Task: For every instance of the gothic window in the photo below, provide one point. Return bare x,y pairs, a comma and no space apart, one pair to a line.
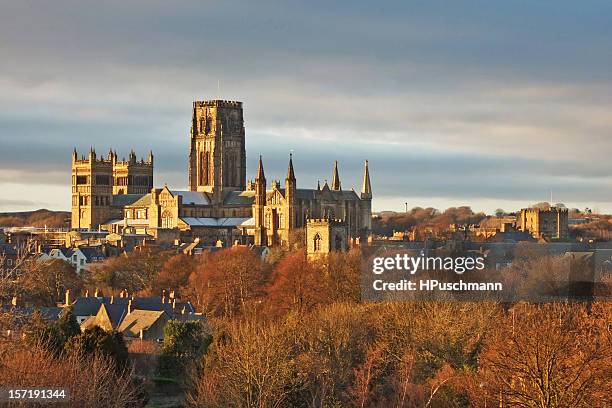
166,219
317,243
281,221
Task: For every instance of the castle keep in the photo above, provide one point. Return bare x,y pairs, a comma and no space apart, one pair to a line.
220,204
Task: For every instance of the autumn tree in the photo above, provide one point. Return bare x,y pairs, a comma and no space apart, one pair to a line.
230,280
175,272
552,355
90,380
134,271
45,283
297,284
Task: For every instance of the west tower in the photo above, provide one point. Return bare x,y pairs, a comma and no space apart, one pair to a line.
217,156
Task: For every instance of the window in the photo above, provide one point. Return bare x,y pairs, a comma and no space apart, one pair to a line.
103,180
166,219
317,243
82,262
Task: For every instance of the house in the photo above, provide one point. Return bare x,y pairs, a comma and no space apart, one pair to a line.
8,258
84,256
144,324
109,311
64,254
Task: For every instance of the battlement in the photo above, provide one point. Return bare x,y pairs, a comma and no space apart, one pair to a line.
542,211
217,103
112,159
325,221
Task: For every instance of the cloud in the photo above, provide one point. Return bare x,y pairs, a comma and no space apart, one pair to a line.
457,101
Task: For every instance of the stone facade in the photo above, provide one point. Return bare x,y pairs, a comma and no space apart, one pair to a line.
326,235
220,205
544,224
97,181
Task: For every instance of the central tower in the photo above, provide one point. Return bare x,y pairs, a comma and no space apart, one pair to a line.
217,157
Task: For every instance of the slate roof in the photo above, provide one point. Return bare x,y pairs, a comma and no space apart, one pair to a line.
192,197
242,198
140,320
122,200
8,249
92,253
144,201
89,306
214,222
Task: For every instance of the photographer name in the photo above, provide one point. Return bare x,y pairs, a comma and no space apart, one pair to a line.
435,285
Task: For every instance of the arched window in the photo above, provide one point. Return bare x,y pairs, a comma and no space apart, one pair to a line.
317,243
166,219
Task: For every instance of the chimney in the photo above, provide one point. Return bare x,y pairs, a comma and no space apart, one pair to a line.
68,297
172,294
163,296
173,304
15,301
130,307
86,292
112,299
97,293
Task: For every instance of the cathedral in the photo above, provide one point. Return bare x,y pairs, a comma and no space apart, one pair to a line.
221,206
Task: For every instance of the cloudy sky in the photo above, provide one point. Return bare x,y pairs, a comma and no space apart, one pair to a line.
483,103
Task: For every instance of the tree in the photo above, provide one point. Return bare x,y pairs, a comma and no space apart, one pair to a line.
96,340
230,280
53,336
500,212
184,344
91,380
551,355
45,283
296,284
134,271
175,272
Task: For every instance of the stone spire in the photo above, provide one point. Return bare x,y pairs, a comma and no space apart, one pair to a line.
336,179
366,188
290,172
260,172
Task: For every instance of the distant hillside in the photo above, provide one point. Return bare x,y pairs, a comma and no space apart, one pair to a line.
38,218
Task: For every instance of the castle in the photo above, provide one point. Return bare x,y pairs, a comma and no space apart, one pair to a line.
220,205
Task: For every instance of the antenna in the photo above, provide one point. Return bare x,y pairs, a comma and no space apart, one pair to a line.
551,198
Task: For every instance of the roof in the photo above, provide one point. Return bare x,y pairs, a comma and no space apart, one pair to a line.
8,249
144,201
92,253
192,197
122,200
140,320
214,222
66,252
130,222
312,194
244,198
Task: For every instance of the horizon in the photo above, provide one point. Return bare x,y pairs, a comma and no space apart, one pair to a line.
489,105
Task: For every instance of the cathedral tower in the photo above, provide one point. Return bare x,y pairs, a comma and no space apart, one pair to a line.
92,190
217,157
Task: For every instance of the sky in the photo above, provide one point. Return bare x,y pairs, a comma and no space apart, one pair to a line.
492,104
